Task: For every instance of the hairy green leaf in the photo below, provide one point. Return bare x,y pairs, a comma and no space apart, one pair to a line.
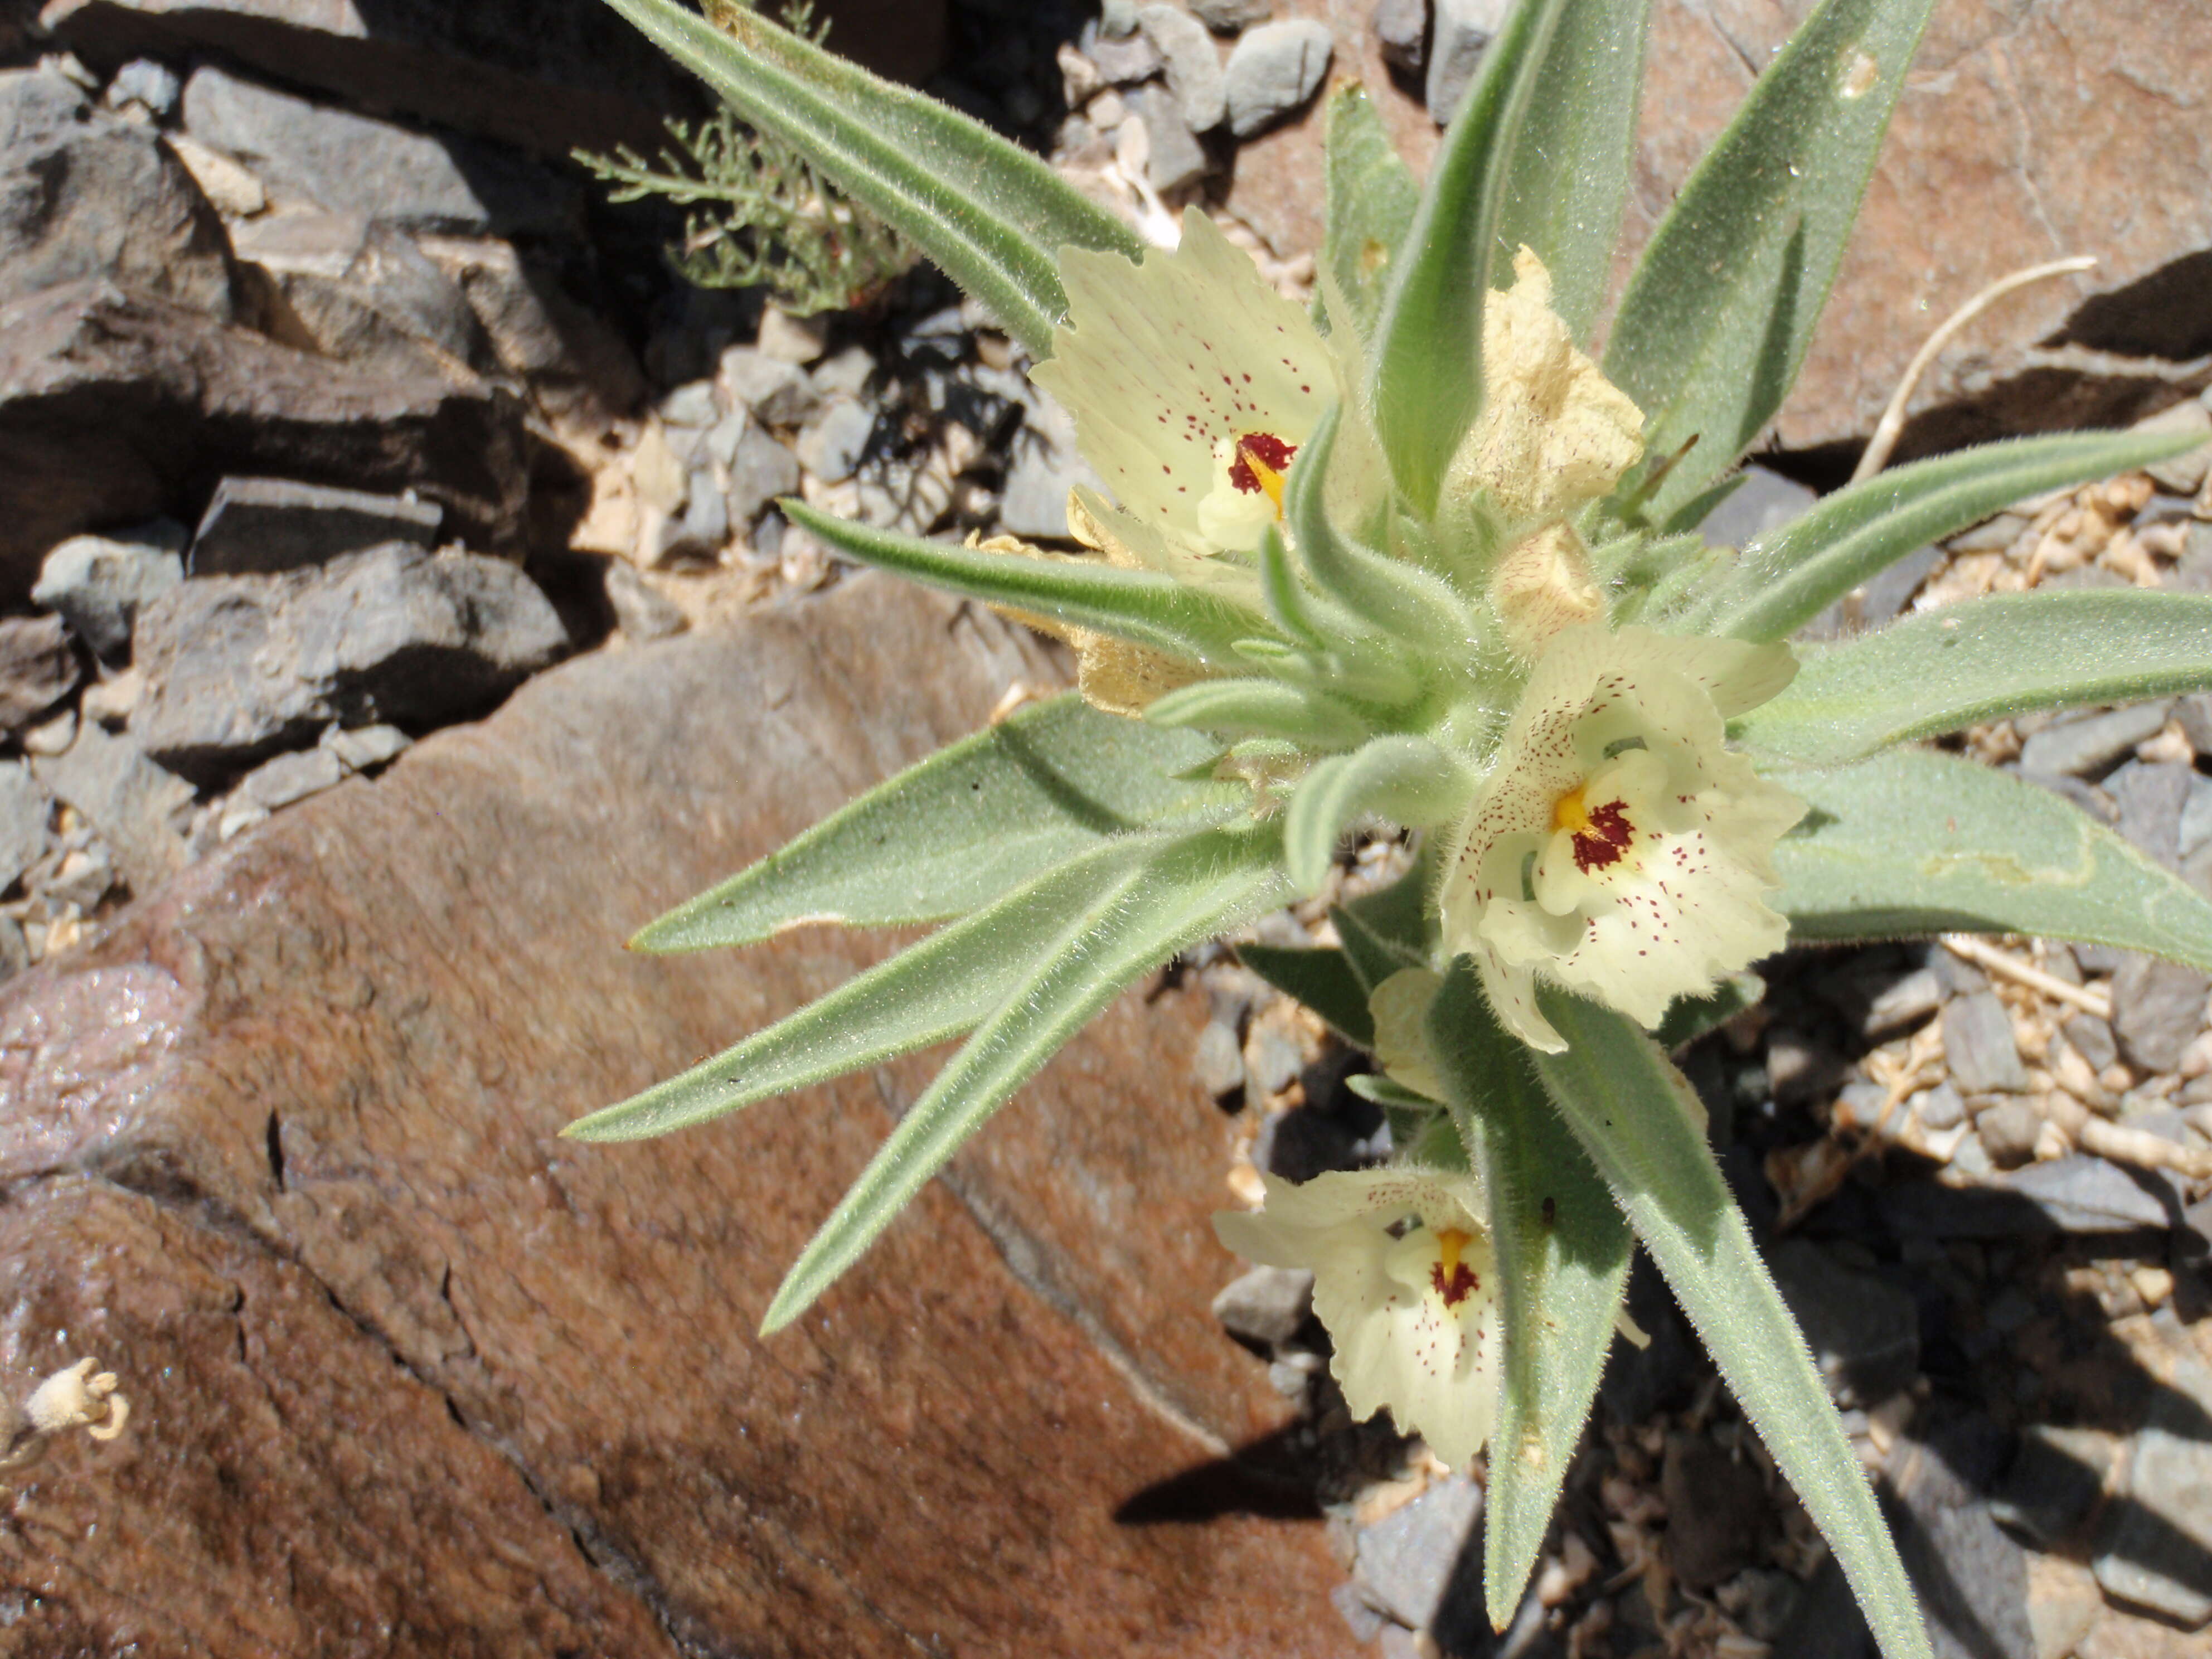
1372,195
1258,708
1989,658
991,215
1635,1115
1428,362
957,829
1186,893
1916,842
948,983
1323,979
1723,304
1563,1255
1407,780
1142,607
1784,580
1568,177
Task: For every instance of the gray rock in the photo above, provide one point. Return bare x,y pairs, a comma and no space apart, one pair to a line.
1979,1044
572,359
1274,1061
144,81
1902,1003
37,668
1718,1513
345,287
2158,1009
261,526
641,612
1402,28
1961,977
2086,1194
831,446
1177,161
763,470
1227,16
1762,503
237,666
2090,798
26,814
844,374
1194,66
1798,1068
691,405
1972,1579
777,392
1274,70
704,528
2195,714
98,584
140,809
1458,33
2152,798
349,163
1219,1062
2155,1550
2009,1132
2073,748
2194,832
2091,1039
2054,1481
1046,466
1122,60
1266,1305
87,194
115,407
364,748
289,778
1404,1562
1940,1107
1864,1332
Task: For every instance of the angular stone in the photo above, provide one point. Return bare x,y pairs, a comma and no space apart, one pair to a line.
831,446
261,526
1864,1332
1266,1305
641,612
1122,60
2091,1039
1046,466
1979,1046
87,194
1972,1579
114,407
138,808
777,392
37,668
2158,1009
762,468
1227,16
1219,1063
98,584
1939,1108
237,666
1717,1512
1175,160
1193,65
2072,748
1402,28
349,163
341,286
289,778
2156,1548
1761,504
26,813
363,748
2087,1195
390,1278
2054,1481
1408,1560
2010,1130
1459,30
572,359
1274,70
2151,798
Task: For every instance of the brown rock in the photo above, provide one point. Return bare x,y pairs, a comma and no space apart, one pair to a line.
394,1345
37,668
114,407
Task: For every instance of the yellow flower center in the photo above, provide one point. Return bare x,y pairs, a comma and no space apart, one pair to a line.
1262,461
1453,1279
1601,834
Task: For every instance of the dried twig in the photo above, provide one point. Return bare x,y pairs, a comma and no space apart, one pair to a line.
1985,955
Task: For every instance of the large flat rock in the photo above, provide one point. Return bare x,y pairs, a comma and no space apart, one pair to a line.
410,1375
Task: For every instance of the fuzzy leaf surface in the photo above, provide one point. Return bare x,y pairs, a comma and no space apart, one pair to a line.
1633,1113
1187,892
1140,606
1407,780
948,983
1916,842
953,832
1428,370
1783,581
1372,195
1716,317
1987,659
1563,1256
991,215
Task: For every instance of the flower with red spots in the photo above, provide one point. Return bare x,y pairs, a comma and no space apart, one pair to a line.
1618,848
1406,1281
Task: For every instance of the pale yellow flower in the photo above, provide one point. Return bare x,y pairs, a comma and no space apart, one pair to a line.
1406,1281
1618,848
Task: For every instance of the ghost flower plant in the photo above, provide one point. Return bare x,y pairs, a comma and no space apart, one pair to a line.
1417,557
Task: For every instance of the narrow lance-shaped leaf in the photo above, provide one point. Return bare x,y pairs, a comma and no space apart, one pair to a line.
1188,892
1632,1112
1259,708
1989,658
1784,580
948,983
1916,842
1722,307
1428,364
1140,606
1372,195
1407,780
991,215
1562,1256
957,829
1568,174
